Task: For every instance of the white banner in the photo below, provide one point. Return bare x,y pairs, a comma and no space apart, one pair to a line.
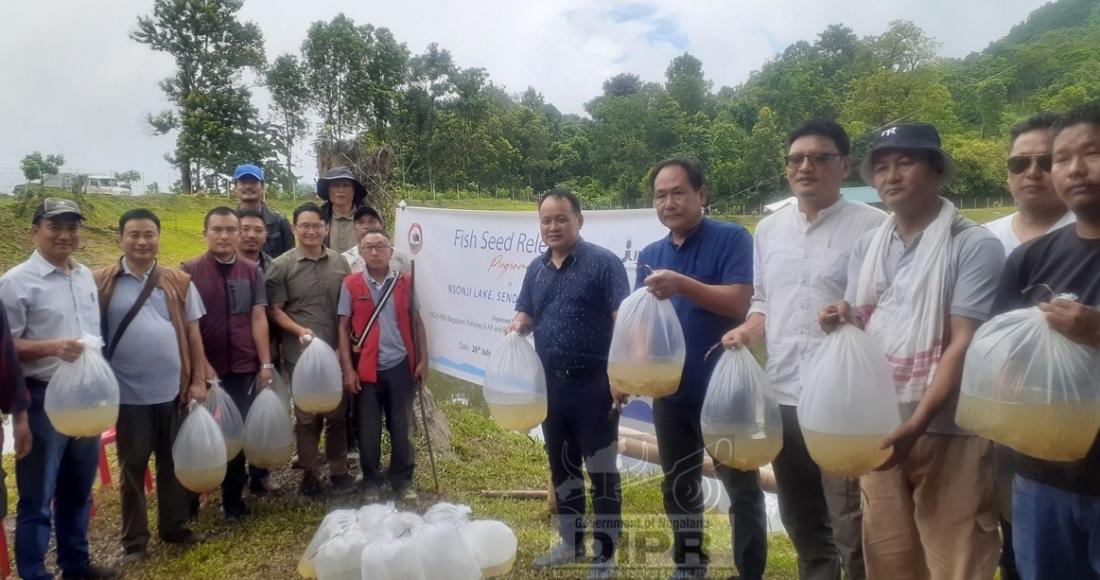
470,267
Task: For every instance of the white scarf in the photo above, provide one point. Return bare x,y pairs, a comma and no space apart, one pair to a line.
907,317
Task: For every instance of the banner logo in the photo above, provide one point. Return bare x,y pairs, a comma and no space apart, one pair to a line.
416,238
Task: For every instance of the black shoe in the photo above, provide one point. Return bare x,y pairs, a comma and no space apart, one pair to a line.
238,512
342,483
184,537
134,554
264,486
372,492
311,486
93,572
561,555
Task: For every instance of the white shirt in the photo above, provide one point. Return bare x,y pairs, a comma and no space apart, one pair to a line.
1002,228
799,267
45,303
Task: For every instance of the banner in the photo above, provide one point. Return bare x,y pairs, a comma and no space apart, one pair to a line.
470,267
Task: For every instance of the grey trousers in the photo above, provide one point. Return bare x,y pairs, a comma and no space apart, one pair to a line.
144,430
821,512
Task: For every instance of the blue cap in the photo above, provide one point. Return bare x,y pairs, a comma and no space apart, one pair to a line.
248,169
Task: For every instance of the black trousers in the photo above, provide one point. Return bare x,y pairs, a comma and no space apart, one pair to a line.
680,438
579,433
237,386
390,398
142,431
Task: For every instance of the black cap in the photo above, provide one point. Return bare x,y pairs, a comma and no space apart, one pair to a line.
907,136
52,207
365,210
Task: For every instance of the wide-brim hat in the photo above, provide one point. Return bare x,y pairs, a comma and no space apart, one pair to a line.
341,172
908,136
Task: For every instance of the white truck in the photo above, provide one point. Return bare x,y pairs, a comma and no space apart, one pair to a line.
104,184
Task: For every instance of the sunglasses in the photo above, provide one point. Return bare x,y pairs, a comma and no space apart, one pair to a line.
816,159
1021,163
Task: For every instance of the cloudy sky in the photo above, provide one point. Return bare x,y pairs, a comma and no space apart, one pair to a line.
74,83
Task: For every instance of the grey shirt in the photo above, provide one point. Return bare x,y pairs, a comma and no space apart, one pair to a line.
391,348
146,360
45,303
309,289
977,259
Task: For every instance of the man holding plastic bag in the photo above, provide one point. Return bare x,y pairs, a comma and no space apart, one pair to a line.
569,298
705,268
52,301
150,326
800,261
930,509
234,335
382,367
303,289
1056,505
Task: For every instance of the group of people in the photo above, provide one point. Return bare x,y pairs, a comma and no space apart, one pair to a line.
919,280
236,315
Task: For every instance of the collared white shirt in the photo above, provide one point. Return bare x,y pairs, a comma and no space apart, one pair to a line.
1002,228
45,303
799,267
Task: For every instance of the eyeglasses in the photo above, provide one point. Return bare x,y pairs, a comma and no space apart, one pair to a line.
798,159
373,249
1018,164
311,227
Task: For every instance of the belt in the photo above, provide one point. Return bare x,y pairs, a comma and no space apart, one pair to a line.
572,373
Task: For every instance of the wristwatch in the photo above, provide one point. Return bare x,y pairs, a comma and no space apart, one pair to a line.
269,366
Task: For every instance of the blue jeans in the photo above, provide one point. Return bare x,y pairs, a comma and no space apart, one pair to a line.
60,471
1056,533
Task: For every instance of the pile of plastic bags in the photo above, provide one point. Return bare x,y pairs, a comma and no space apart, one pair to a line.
515,385
82,397
647,347
377,542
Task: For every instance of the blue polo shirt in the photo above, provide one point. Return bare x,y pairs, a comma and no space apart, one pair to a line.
572,306
716,253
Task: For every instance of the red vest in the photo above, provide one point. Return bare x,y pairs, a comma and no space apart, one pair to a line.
362,306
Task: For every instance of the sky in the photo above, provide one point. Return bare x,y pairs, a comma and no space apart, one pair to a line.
74,83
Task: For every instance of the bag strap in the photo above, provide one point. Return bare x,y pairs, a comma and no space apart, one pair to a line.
146,291
386,292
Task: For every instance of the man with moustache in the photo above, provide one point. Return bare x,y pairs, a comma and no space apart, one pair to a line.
569,299
248,181
253,238
800,262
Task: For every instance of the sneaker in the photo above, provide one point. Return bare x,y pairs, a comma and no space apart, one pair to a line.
134,555
407,494
372,492
342,483
93,572
561,555
601,569
184,537
311,486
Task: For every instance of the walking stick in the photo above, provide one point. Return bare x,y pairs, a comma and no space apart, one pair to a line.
416,385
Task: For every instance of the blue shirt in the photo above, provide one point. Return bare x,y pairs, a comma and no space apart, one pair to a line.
718,254
572,306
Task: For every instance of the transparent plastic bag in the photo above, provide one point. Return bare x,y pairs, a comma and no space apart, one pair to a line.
334,524
848,404
443,551
1031,388
278,384
82,396
397,524
449,513
493,545
370,515
647,347
317,383
199,451
515,385
385,558
340,557
741,423
268,432
228,417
